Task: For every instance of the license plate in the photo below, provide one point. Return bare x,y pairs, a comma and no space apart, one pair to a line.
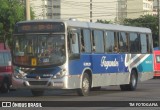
34,61
46,60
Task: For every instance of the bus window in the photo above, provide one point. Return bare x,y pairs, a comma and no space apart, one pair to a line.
123,44
143,43
86,41
149,37
116,47
74,41
109,41
98,45
158,58
134,43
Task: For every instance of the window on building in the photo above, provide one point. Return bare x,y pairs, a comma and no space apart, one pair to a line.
56,14
56,6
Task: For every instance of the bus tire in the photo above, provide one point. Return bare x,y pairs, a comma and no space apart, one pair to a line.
37,92
86,85
5,86
133,82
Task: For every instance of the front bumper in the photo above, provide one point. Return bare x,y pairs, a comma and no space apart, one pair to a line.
156,73
43,83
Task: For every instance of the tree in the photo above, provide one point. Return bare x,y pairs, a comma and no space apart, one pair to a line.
148,21
11,11
105,21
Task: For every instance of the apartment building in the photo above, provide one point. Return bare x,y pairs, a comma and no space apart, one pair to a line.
91,10
83,10
155,7
136,8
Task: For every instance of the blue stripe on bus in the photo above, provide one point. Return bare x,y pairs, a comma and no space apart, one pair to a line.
146,65
100,64
110,63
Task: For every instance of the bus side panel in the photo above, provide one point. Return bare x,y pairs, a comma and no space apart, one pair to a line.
145,67
106,69
109,69
76,69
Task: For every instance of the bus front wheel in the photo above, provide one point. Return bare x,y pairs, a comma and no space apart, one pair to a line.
5,86
133,82
86,85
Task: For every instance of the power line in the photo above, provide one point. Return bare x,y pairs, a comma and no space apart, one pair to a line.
92,9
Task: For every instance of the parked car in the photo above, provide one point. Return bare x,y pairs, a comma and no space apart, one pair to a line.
6,69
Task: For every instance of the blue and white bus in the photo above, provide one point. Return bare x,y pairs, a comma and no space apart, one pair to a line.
57,54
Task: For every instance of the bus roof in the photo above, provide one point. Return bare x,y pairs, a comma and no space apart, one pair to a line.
114,27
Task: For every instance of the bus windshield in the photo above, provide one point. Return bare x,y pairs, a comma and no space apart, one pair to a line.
39,49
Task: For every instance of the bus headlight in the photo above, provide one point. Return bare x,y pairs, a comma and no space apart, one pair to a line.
60,74
19,75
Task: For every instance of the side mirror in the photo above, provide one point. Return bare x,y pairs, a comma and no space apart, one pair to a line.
9,63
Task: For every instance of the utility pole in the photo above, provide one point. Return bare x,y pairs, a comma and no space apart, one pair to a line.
158,23
90,10
28,16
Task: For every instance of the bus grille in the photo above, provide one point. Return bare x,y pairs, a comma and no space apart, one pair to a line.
37,82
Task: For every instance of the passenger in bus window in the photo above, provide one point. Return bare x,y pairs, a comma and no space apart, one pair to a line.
94,47
116,49
30,47
82,44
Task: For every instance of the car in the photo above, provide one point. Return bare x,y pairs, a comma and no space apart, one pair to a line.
6,70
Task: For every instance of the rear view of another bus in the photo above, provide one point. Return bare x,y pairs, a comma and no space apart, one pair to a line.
156,63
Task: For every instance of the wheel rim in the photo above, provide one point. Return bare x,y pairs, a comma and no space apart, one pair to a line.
85,85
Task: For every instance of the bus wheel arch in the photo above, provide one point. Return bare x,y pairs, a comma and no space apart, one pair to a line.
133,81
85,83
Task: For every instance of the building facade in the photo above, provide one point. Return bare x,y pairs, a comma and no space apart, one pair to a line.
83,10
91,10
136,8
155,7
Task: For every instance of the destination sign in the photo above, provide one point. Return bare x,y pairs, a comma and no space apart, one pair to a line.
38,27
